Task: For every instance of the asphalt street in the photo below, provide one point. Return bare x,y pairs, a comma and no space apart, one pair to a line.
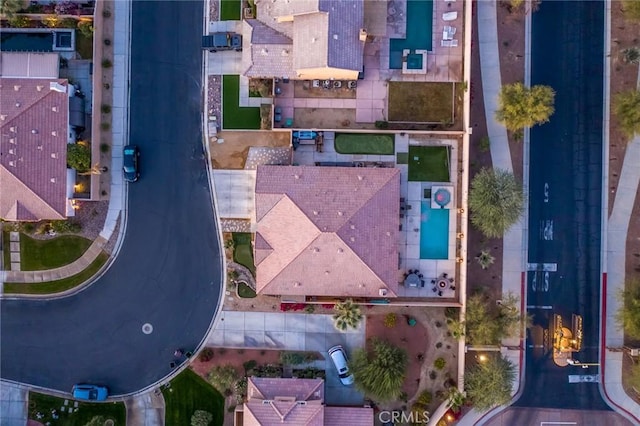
565,199
168,272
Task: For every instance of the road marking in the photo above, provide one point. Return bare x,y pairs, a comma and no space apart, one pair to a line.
549,267
546,230
147,328
584,378
546,192
535,346
557,423
539,307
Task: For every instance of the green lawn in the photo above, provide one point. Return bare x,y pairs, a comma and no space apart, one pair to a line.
420,102
188,393
37,255
243,252
402,158
230,10
58,286
364,143
40,403
429,163
233,116
245,291
6,254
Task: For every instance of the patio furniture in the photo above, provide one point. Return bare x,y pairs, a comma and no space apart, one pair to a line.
449,43
278,110
326,84
337,84
448,32
277,118
316,83
278,90
440,293
289,122
412,280
352,84
421,282
434,289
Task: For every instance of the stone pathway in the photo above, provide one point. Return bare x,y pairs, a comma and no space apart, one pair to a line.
14,250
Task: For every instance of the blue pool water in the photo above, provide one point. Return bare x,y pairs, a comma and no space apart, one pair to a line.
414,61
434,232
419,31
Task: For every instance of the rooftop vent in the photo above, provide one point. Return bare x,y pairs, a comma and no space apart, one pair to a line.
39,88
315,213
12,140
12,163
340,213
296,176
313,39
3,117
52,180
363,34
352,226
388,234
285,52
264,51
16,87
54,108
12,129
17,104
316,250
12,151
340,250
335,36
54,155
57,87
296,284
352,239
54,133
360,177
34,131
382,292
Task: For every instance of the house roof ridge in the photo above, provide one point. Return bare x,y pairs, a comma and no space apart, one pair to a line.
26,187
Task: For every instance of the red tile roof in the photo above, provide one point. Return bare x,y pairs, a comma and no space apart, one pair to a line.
33,147
330,231
352,416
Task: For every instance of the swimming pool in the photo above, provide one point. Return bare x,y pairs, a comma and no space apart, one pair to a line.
419,33
434,232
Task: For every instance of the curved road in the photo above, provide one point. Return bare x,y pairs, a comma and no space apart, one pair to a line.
168,271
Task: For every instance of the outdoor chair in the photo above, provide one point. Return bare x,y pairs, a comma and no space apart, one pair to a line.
337,84
278,110
277,118
352,84
289,122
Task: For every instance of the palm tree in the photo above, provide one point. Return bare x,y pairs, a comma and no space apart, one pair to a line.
456,328
485,259
380,372
496,201
489,383
481,325
628,315
9,8
347,315
455,399
631,55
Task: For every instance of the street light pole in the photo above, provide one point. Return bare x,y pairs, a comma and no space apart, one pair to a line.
582,364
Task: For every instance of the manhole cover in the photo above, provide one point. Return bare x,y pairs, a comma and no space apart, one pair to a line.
147,328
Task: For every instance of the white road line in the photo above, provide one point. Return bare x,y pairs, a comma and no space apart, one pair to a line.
557,423
548,307
547,267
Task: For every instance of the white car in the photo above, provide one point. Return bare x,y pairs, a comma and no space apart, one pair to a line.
339,358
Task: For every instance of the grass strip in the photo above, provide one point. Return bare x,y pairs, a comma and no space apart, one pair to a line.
37,255
188,393
58,286
364,143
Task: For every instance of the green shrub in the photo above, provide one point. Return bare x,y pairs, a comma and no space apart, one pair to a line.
105,108
104,147
425,398
296,358
65,226
485,144
79,156
86,28
439,363
19,21
106,63
390,320
310,309
309,373
68,23
106,13
380,124
249,365
223,378
51,21
206,355
201,418
105,126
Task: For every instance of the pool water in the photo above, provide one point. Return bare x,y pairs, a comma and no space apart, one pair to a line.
434,232
414,61
419,33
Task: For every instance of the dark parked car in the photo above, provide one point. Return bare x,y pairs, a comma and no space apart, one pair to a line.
86,392
222,41
131,163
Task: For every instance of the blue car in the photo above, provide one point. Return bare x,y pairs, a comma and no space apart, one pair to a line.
86,392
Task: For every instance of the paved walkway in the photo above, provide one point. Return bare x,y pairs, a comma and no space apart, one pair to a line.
14,250
13,404
146,409
513,249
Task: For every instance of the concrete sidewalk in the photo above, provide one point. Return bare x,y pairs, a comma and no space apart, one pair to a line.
514,252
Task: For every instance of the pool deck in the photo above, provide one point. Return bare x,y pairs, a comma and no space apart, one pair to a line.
409,244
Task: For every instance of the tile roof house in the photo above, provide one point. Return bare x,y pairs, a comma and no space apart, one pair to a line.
305,39
295,402
34,117
327,231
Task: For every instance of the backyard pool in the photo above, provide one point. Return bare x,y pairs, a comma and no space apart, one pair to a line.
434,232
419,32
37,40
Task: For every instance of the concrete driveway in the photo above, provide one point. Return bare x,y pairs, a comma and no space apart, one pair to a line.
297,332
13,404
